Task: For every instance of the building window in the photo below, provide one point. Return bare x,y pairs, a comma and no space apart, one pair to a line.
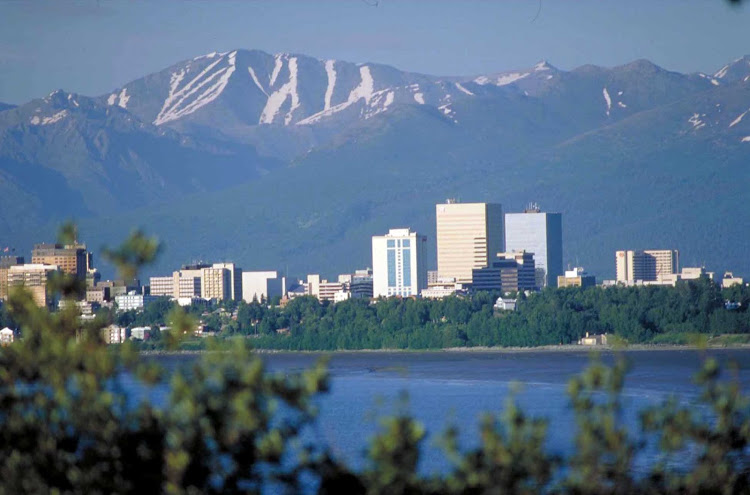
391,268
406,256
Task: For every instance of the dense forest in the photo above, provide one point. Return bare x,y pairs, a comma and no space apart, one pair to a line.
651,314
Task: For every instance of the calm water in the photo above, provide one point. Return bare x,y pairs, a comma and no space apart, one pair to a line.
457,387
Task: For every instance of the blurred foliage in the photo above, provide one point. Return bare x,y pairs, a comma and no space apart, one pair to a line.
69,424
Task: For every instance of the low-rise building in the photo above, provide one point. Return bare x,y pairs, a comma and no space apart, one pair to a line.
327,290
577,277
505,304
440,290
729,280
115,334
599,339
511,272
7,336
162,286
133,301
33,277
262,285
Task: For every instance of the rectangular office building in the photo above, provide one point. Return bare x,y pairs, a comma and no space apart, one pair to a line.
469,236
539,233
398,264
648,265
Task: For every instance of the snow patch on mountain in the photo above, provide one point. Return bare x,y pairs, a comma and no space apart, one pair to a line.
695,119
543,65
120,99
621,104
331,73
255,80
738,119
721,72
503,79
745,139
365,90
366,86
36,120
180,101
464,90
607,99
279,97
278,63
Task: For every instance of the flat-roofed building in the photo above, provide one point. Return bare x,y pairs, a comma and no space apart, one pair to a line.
327,290
33,277
729,280
539,233
648,265
72,259
133,301
468,237
262,285
161,286
235,275
577,277
511,272
398,264
216,283
5,263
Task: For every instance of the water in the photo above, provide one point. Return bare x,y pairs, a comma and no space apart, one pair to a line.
457,387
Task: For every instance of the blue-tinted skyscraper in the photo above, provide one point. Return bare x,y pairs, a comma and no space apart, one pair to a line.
539,233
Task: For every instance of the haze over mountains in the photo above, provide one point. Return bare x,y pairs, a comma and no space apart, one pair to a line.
286,161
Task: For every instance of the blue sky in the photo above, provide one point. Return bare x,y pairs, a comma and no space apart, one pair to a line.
91,47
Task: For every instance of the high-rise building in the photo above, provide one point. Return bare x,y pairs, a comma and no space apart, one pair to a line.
539,233
216,283
649,265
235,273
72,259
469,235
398,263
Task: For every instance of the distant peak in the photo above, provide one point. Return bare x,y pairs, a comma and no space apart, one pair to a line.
543,65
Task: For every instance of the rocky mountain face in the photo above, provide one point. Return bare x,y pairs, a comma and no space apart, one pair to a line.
309,158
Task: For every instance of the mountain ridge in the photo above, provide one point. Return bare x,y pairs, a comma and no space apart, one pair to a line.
338,158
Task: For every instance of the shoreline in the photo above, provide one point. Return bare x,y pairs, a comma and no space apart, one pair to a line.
567,348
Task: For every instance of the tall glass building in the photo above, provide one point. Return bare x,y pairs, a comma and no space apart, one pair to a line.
398,264
540,233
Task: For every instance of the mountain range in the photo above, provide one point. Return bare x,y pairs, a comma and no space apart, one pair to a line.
292,163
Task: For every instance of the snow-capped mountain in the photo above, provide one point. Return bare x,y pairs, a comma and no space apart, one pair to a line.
287,104
233,144
255,88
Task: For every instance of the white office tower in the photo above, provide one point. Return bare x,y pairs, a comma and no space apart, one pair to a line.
469,236
649,265
539,233
398,263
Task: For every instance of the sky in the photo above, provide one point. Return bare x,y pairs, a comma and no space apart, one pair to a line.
91,47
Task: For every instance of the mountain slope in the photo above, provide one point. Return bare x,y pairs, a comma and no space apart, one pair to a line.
70,155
